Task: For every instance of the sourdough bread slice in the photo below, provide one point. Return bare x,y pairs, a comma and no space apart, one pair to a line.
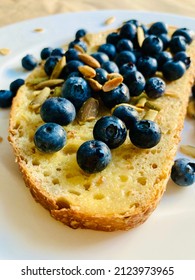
121,196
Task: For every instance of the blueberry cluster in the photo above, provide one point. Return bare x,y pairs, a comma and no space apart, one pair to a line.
122,53
138,64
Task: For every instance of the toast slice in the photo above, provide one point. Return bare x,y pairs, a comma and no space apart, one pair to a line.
127,191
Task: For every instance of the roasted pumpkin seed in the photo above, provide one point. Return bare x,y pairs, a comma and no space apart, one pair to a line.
58,68
40,98
112,83
49,83
89,60
88,111
95,85
87,71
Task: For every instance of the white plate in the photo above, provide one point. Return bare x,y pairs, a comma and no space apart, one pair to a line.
27,231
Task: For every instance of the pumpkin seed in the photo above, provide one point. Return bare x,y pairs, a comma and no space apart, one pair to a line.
49,83
36,92
95,85
56,92
87,71
79,48
4,51
152,105
140,35
112,83
58,68
109,20
171,94
40,98
38,30
113,75
135,99
150,115
88,111
89,60
35,81
141,102
127,104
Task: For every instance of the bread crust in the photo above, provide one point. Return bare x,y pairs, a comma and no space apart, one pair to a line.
71,215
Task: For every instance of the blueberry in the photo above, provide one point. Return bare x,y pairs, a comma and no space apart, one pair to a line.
135,82
162,58
147,65
80,33
145,28
145,134
45,53
58,110
187,33
177,44
152,45
74,74
128,31
155,87
113,38
58,52
127,67
110,66
116,96
101,75
110,130
137,53
100,56
124,57
79,43
71,54
108,49
127,114
165,40
15,85
182,56
124,45
50,138
158,28
29,62
6,97
134,22
50,64
71,66
76,90
183,172
173,70
93,156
